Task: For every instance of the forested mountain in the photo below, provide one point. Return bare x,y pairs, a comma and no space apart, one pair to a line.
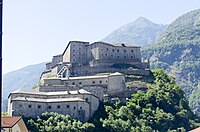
141,32
177,51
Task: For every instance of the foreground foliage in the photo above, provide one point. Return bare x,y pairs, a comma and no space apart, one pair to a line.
58,123
163,107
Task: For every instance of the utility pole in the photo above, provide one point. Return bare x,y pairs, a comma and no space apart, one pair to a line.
1,32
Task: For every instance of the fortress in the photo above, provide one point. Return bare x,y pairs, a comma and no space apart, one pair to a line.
75,81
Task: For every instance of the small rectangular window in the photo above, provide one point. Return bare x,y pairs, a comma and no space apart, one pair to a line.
39,106
73,83
58,106
67,106
80,83
117,50
49,107
74,107
80,108
29,106
100,81
93,82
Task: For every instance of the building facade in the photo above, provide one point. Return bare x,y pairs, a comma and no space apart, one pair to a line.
78,104
99,56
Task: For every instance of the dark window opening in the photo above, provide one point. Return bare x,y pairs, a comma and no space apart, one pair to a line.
67,106
74,107
39,106
58,106
124,50
49,107
73,83
113,50
20,105
80,83
80,108
100,81
29,106
93,82
131,50
117,50
86,99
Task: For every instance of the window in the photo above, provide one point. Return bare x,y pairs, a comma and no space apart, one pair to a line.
93,82
73,44
117,50
73,83
73,49
107,48
124,50
73,54
29,106
101,54
74,107
20,105
80,108
86,99
124,56
39,106
102,49
131,50
111,55
80,83
113,50
49,107
100,81
58,106
131,56
73,60
67,106
106,54
117,56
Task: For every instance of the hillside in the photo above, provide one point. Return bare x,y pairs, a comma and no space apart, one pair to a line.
24,78
177,51
141,32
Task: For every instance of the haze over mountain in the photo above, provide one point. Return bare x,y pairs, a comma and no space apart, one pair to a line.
24,78
141,32
177,51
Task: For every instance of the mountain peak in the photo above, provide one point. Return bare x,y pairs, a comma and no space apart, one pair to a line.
140,32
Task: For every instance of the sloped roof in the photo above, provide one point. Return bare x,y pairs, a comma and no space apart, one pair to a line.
9,121
195,130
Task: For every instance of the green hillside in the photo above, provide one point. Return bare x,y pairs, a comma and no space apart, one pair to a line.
177,51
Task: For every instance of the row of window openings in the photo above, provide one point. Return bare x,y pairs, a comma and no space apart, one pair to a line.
117,50
73,83
58,106
117,56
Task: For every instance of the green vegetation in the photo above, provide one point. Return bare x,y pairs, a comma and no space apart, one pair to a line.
4,113
49,122
177,51
163,107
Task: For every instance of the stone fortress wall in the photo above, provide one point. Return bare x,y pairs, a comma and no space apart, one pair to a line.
78,90
78,104
98,57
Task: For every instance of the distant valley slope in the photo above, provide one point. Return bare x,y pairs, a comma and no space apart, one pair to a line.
141,32
24,78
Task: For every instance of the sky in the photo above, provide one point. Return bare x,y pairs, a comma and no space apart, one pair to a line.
35,30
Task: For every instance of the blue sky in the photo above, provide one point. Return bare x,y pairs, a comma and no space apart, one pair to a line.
35,30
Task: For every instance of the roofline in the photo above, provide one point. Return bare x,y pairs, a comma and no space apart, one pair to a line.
71,42
20,117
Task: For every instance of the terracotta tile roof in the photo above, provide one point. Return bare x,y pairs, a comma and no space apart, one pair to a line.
195,130
9,121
